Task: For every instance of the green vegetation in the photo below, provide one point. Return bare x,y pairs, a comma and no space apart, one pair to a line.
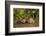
26,13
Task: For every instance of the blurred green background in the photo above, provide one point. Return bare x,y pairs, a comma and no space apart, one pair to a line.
25,13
